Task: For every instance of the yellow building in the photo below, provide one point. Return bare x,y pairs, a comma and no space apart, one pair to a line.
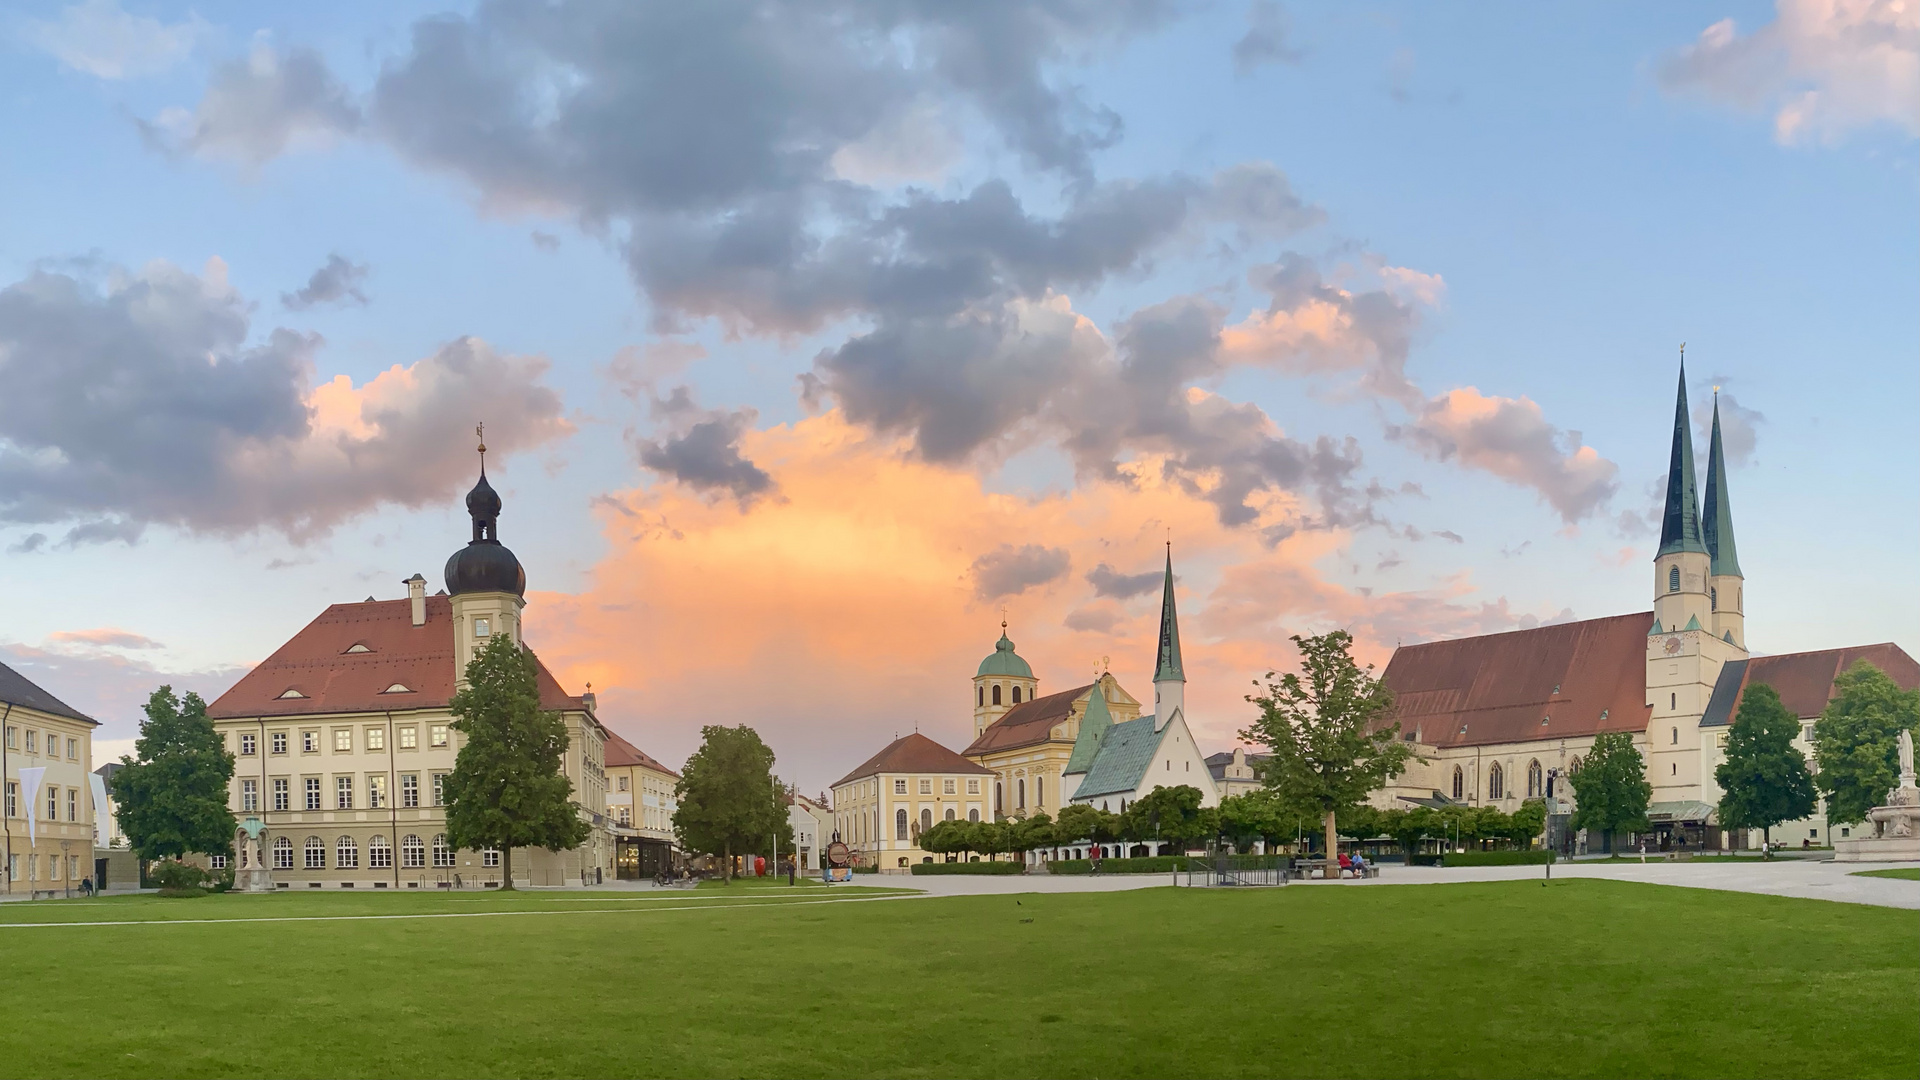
640,802
48,765
1026,740
881,808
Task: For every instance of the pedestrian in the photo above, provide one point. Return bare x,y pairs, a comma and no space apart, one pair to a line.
791,872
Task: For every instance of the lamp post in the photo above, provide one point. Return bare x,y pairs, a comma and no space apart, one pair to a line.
67,872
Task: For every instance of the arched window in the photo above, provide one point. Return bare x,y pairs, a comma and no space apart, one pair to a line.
926,820
413,853
346,854
1039,791
1673,579
1536,780
1673,702
1020,794
316,853
980,695
996,693
442,851
973,815
282,853
379,854
1573,768
1016,695
1496,782
900,824
949,813
1459,783
1676,736
999,801
1713,598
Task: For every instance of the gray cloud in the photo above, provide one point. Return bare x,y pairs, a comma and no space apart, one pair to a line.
139,399
28,544
701,449
257,108
1107,581
1265,41
1094,618
97,37
1512,439
1739,425
107,684
335,282
1010,571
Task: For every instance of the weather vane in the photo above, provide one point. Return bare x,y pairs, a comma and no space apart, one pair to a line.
480,430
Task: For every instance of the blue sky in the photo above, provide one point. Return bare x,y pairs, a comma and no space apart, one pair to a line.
1546,201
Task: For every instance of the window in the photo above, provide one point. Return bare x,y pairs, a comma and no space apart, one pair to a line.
12,732
13,799
313,792
1496,782
1806,732
247,745
899,787
620,783
973,787
1039,791
1673,702
900,824
277,742
214,862
973,815
926,787
626,815
949,813
409,737
998,799
946,787
376,791
343,740
309,742
343,793
437,735
73,804
1536,780
376,738
53,803
316,853
996,701
926,819
1676,769
1676,736
1573,767
379,854
249,796
442,854
1016,695
410,790
346,854
489,856
1713,599
413,853
439,789
1673,579
73,753
1459,783
480,628
282,798
33,741
980,695
282,853
1019,794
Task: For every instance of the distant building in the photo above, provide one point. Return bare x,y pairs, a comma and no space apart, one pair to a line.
881,807
46,759
812,825
640,802
1234,771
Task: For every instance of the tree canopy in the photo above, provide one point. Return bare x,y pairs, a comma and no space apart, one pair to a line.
1171,814
1853,741
170,797
1326,728
1764,778
1611,791
507,788
1080,821
729,802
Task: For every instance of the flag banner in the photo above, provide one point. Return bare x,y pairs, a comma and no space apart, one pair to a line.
100,819
30,792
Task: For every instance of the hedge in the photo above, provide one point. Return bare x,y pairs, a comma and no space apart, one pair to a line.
1499,858
1152,864
969,868
866,869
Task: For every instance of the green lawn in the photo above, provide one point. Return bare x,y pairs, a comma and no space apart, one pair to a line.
1909,873
1583,978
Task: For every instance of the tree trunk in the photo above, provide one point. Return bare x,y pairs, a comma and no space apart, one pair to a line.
506,868
1333,848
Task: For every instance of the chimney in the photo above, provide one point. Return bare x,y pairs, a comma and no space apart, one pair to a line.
417,594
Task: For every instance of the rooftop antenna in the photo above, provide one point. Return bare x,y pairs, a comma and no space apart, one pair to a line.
480,430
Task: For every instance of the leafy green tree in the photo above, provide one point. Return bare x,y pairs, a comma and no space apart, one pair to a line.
507,788
1611,789
170,797
1256,815
1764,777
1328,732
1526,823
729,803
1853,741
1033,831
1171,814
1075,823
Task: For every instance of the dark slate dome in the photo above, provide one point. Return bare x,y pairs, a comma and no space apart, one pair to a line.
485,565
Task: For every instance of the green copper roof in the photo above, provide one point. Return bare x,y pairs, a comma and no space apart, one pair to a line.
1716,526
1093,732
1693,623
1004,661
1168,668
1656,629
1122,761
1680,524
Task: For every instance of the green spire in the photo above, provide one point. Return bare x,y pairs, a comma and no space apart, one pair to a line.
1716,526
1093,730
1169,668
1680,525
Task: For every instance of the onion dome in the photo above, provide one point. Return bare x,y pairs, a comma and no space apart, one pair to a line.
1004,660
485,565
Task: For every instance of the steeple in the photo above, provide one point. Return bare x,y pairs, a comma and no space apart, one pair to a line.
1169,675
1716,526
1680,524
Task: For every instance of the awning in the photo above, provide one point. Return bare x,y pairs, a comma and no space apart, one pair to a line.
1682,811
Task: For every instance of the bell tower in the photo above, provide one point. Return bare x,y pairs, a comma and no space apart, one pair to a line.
485,580
1003,680
1169,674
1726,586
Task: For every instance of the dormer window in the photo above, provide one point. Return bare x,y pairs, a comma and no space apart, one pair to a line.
480,628
290,693
398,688
358,647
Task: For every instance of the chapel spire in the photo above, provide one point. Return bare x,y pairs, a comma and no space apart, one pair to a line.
1716,526
1680,522
1168,668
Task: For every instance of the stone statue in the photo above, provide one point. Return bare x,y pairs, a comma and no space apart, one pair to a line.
1905,742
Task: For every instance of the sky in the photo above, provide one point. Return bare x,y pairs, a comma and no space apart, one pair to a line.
814,340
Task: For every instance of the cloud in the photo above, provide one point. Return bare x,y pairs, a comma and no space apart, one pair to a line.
1097,618
109,685
1010,571
257,108
1739,425
1822,68
1107,581
545,241
701,449
141,398
1312,326
1265,41
336,282
104,637
98,38
1512,439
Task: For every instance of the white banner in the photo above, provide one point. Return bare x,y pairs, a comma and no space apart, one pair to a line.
102,823
30,791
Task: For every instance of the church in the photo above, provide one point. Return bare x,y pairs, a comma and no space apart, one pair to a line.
1502,718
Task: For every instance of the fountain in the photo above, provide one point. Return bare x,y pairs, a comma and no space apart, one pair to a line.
1896,826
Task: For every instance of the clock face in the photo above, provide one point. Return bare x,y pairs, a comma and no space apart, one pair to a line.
1673,645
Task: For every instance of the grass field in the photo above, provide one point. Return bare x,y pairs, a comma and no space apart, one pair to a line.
1908,873
1583,978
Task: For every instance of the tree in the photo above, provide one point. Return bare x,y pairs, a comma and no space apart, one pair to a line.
1081,821
1030,832
1611,790
1853,741
1169,814
729,804
1256,815
1328,732
1764,777
170,797
507,789
1526,823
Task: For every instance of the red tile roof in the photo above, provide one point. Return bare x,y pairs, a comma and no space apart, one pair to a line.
914,753
1581,677
316,663
1804,680
1028,723
621,753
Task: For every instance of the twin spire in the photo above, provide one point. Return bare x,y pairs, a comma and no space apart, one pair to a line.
1682,526
1168,667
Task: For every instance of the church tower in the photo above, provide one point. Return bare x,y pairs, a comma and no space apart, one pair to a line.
1004,680
1169,676
486,581
1682,565
1726,588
